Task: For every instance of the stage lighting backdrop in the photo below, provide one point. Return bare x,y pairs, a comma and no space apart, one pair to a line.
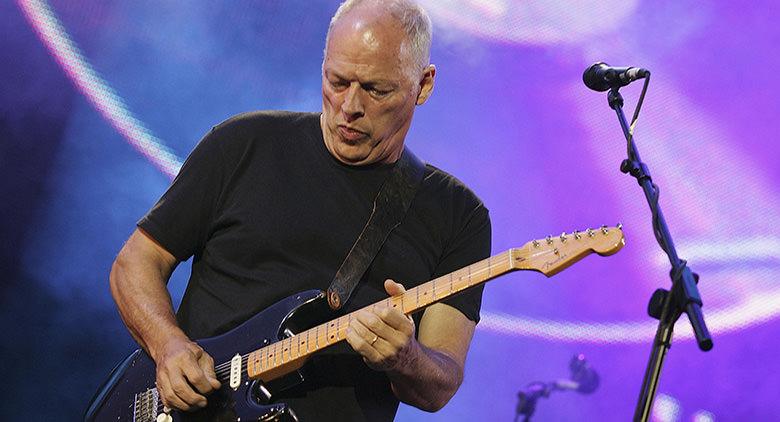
103,100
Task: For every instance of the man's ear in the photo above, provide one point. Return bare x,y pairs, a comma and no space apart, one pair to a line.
426,84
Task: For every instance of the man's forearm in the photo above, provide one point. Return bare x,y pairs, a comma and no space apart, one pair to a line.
144,302
425,378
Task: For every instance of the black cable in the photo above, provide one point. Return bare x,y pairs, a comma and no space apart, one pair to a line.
656,190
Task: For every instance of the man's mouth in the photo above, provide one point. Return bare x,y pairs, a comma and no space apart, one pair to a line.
350,134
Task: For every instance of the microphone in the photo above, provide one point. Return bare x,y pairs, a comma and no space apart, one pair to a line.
601,76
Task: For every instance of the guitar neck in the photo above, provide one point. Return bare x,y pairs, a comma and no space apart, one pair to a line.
268,361
548,256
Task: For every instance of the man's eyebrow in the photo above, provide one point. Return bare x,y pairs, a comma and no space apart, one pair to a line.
371,83
329,73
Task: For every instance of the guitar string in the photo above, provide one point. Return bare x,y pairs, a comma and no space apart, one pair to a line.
223,369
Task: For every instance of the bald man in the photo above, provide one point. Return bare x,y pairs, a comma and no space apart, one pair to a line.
269,204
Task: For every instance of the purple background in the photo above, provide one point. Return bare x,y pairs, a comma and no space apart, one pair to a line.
509,116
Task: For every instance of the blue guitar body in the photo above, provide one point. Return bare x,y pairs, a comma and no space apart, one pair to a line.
130,394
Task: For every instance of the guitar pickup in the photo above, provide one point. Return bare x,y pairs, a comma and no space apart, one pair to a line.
235,372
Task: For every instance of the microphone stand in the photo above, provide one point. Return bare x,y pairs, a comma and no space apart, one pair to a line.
665,305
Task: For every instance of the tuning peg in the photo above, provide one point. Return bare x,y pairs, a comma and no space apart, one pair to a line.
604,229
549,239
577,234
535,243
620,226
590,232
563,237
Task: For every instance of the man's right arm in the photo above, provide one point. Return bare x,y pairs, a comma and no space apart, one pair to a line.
185,373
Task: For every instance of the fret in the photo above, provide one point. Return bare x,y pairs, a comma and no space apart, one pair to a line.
469,274
331,333
326,336
251,361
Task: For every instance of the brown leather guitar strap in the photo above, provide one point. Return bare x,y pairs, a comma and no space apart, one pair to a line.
390,206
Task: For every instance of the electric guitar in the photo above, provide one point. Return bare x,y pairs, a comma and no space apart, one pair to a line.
275,343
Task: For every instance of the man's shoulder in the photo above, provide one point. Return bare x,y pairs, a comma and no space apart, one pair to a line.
259,130
266,120
442,182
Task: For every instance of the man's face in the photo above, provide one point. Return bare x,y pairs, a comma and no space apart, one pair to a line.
368,97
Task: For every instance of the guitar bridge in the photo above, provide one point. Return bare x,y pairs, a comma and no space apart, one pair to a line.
145,406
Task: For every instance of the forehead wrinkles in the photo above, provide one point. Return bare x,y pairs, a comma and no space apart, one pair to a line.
363,72
364,56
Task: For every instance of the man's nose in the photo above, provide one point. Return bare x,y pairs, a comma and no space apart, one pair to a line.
353,103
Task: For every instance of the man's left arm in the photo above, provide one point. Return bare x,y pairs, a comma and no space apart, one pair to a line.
424,372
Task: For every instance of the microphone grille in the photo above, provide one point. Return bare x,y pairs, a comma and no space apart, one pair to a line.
592,79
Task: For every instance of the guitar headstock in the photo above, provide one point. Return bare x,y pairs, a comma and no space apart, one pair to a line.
555,253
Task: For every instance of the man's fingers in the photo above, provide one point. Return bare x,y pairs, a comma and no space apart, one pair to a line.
197,378
394,289
356,337
169,397
184,391
396,320
370,321
207,365
360,330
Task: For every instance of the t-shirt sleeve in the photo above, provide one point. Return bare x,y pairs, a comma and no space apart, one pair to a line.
180,221
469,245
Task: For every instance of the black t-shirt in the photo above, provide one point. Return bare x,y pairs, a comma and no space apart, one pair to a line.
268,212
